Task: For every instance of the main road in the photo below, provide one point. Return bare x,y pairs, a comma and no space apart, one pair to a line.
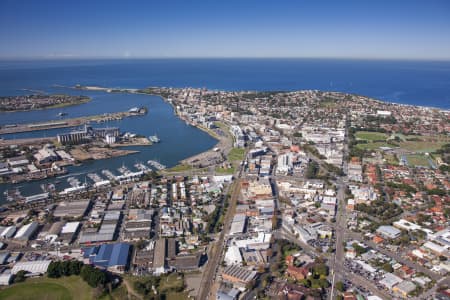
216,250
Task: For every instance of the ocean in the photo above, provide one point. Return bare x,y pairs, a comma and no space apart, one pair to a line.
408,82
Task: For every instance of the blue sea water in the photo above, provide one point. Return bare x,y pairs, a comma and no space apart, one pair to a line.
410,82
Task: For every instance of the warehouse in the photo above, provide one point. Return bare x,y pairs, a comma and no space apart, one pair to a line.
8,232
238,275
159,258
187,262
238,224
72,209
26,232
54,231
69,232
37,267
113,257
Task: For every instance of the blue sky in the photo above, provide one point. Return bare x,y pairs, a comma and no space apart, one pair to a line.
245,28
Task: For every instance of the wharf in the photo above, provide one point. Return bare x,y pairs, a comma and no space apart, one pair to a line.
17,128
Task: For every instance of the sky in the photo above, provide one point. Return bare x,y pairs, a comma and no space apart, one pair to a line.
361,29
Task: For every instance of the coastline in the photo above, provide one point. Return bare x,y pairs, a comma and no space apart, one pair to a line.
59,105
175,111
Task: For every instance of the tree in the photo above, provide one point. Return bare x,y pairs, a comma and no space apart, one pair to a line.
93,276
388,268
54,269
20,276
320,269
340,286
75,267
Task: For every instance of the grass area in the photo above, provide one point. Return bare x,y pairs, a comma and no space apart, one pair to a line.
179,168
391,159
422,146
223,127
370,136
171,282
228,171
414,143
236,154
178,296
119,293
72,287
373,146
417,160
33,291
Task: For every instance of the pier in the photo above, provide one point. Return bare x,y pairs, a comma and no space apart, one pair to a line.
18,128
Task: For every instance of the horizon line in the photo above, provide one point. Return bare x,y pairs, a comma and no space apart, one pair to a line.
75,58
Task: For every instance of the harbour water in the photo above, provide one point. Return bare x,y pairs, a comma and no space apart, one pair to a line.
409,82
178,140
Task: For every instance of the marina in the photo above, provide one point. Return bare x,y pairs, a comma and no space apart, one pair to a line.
156,165
108,174
94,177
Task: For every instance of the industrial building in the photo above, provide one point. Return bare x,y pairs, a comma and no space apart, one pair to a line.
237,275
54,231
87,134
106,232
69,232
112,257
27,231
72,209
37,267
159,258
46,155
238,224
8,232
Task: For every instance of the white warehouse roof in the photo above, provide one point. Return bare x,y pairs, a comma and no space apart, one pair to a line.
26,231
38,266
70,227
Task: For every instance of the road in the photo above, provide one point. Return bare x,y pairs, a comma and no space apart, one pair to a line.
398,257
217,248
337,264
367,284
341,222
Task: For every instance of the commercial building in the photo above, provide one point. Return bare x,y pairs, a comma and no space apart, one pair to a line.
238,275
233,256
390,280
389,231
227,293
238,224
404,288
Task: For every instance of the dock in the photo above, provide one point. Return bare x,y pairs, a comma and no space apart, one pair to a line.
73,122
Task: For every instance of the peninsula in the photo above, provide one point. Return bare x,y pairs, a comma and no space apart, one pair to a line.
39,101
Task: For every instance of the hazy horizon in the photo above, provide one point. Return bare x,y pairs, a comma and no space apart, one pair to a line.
386,30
